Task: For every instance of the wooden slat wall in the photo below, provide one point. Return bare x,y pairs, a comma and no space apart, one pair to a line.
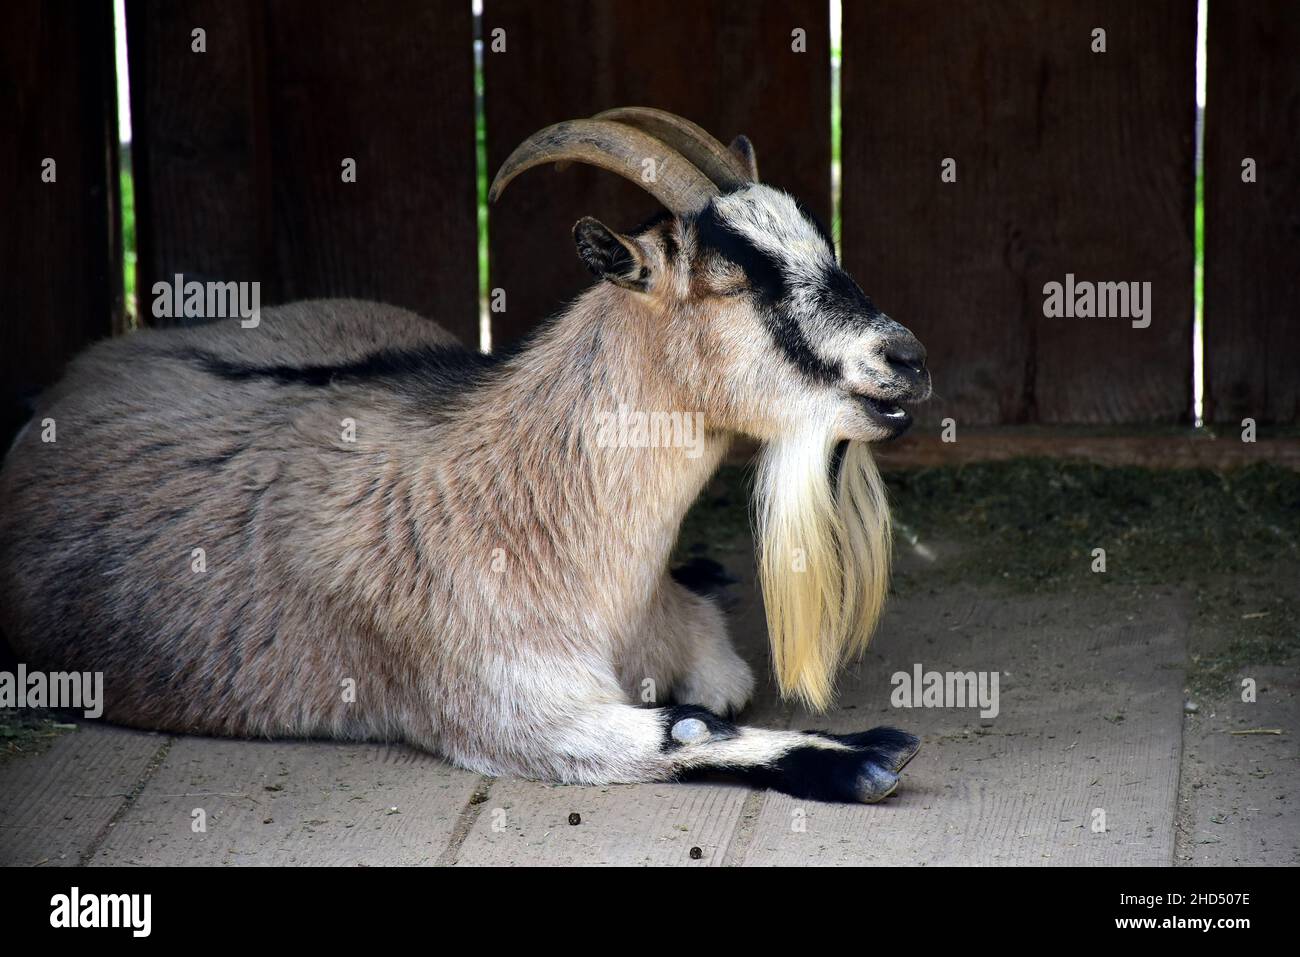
59,242
1067,161
727,66
202,194
238,157
1252,230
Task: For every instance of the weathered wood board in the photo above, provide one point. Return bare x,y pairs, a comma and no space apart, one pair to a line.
1090,710
1241,776
57,806
1252,228
1067,162
60,242
289,802
240,151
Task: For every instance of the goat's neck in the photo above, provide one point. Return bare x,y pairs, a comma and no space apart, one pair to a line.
578,510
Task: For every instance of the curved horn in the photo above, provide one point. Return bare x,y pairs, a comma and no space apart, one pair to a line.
621,149
695,143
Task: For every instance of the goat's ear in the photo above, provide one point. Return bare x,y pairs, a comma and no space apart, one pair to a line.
743,150
610,256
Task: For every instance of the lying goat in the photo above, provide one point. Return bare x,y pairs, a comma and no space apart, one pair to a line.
342,524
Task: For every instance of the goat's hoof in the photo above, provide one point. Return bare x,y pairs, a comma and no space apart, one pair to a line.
888,747
864,770
885,752
875,783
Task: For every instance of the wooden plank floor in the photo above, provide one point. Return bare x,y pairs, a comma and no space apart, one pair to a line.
58,806
1241,788
1090,721
1090,718
654,824
291,802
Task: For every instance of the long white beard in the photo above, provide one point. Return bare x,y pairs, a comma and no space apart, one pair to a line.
823,559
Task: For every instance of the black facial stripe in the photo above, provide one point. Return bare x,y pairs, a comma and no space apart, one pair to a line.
767,279
761,268
841,300
789,336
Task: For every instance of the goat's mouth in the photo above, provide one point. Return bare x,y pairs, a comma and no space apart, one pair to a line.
886,413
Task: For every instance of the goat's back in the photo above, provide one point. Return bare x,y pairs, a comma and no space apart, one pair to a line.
165,535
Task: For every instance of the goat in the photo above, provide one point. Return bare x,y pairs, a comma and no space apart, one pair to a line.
405,540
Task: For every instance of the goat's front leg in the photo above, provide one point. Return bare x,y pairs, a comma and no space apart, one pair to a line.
593,741
684,653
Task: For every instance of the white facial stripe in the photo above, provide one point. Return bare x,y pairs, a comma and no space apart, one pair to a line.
835,331
773,222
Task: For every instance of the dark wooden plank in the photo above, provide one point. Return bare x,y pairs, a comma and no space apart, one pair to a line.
202,185
242,149
61,283
1252,230
391,85
1068,161
727,66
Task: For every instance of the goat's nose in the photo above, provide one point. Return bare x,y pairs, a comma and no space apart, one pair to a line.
906,354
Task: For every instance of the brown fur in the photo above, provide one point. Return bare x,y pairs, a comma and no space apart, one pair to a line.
329,561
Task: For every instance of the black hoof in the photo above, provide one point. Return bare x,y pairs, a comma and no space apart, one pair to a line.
849,768
888,747
865,773
875,783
